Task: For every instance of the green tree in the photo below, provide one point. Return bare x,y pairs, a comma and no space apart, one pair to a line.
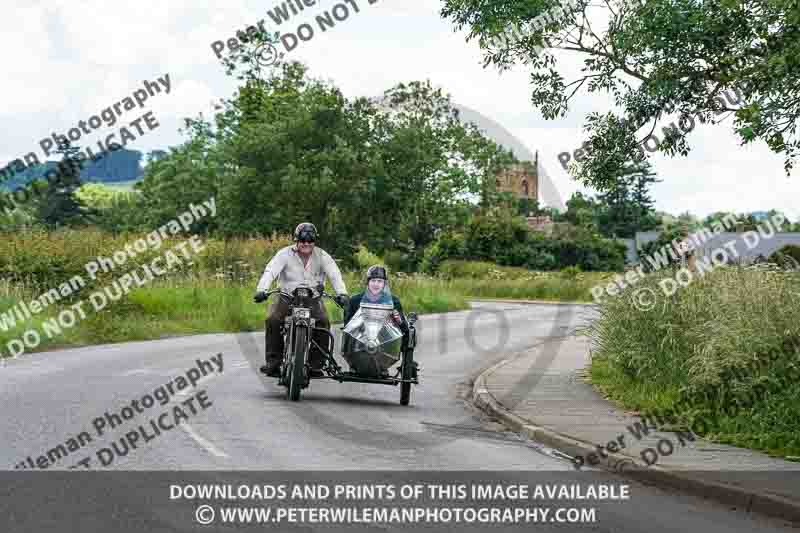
718,217
191,173
626,207
96,195
663,249
436,166
57,204
582,211
688,220
115,211
388,174
655,58
18,218
498,235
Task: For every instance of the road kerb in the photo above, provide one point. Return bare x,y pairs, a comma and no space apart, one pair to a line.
625,465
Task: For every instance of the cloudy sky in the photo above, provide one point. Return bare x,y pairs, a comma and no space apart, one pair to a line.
64,61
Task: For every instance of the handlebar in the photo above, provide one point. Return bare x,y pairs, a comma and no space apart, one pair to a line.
332,298
321,294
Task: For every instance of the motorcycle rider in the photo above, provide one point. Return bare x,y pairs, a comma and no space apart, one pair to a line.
292,266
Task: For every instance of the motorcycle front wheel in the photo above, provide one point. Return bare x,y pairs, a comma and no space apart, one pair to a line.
296,373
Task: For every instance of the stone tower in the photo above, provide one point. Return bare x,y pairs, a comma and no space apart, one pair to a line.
521,179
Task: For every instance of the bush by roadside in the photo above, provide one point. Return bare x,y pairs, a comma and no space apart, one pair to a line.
215,294
502,237
481,279
722,354
43,259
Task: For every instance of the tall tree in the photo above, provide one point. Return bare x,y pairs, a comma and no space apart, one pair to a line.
287,147
582,211
436,166
58,205
626,207
656,58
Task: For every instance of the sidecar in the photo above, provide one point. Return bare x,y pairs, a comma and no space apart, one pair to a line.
372,344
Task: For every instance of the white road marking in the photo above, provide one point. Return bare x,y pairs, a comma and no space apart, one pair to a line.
188,391
210,448
137,371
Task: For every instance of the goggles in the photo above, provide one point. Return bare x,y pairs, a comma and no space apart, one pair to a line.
306,236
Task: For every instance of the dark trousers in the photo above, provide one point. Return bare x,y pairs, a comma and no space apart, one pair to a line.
274,340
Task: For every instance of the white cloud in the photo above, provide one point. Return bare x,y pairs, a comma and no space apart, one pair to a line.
71,59
186,99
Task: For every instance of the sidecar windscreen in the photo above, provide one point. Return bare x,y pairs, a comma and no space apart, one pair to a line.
371,341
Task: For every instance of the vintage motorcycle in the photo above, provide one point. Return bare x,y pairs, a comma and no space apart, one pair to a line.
371,344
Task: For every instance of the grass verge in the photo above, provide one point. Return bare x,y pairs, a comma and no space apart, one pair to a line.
219,300
187,306
720,356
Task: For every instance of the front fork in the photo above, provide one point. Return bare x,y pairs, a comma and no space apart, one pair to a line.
288,349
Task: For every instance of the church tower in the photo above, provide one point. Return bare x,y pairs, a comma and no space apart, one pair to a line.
521,179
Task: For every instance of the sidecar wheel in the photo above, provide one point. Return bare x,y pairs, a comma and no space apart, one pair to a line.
407,373
296,376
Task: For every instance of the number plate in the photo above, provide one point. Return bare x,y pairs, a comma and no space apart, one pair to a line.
302,313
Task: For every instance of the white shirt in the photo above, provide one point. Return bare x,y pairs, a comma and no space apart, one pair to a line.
288,268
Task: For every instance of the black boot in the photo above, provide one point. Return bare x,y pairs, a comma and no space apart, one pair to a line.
272,368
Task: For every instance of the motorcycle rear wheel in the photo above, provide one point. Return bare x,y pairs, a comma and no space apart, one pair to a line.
407,373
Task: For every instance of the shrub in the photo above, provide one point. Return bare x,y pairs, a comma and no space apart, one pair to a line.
665,239
97,195
498,235
46,259
125,212
364,259
447,245
398,261
506,240
731,338
240,259
456,268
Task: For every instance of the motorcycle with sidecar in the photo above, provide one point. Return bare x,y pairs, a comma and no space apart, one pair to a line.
371,345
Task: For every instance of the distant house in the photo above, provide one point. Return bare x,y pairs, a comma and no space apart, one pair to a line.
745,244
542,223
763,247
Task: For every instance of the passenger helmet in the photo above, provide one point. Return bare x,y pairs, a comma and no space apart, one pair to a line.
305,231
377,271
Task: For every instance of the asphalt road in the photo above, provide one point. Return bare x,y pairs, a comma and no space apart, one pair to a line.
248,425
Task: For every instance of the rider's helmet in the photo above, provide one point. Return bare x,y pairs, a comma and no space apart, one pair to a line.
305,231
377,271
